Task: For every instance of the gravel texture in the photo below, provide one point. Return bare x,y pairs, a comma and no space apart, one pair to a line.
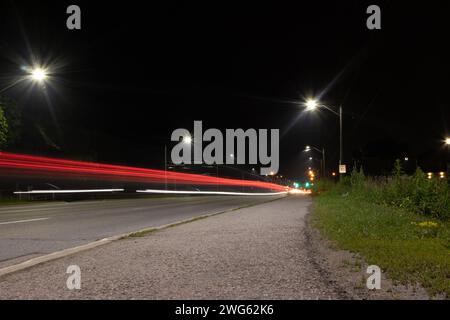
260,252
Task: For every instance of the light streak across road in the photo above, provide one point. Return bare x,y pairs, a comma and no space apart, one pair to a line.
25,165
68,191
212,192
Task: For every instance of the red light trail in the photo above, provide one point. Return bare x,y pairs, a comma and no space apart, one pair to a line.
42,166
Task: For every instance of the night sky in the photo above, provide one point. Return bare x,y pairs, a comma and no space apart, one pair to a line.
136,71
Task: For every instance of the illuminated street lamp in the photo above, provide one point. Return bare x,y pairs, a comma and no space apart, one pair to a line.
38,74
35,74
187,139
310,148
312,104
447,144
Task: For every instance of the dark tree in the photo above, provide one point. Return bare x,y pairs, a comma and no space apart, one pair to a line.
13,121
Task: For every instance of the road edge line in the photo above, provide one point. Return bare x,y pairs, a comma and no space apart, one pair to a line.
70,251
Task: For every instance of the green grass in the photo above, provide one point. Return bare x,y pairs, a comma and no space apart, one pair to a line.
390,238
7,202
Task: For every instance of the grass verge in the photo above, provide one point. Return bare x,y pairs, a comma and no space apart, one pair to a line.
410,248
8,202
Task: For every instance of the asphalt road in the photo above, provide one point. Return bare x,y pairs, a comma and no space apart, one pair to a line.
31,230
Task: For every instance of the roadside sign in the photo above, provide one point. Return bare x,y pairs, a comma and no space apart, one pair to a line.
342,168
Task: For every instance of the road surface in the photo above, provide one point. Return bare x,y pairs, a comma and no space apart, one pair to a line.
258,252
28,231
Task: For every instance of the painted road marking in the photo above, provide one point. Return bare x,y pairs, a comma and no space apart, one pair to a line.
23,221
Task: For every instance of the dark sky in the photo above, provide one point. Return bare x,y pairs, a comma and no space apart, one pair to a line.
137,71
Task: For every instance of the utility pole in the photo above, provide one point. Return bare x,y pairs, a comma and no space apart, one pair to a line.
324,174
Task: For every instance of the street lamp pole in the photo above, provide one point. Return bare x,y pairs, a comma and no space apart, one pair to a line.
323,168
312,105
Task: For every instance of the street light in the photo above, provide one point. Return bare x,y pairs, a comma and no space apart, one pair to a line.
38,74
310,148
447,143
187,139
35,74
312,105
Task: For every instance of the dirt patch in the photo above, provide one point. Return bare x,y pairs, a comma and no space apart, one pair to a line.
346,271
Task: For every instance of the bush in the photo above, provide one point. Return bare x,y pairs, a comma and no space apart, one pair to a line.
416,193
3,129
322,185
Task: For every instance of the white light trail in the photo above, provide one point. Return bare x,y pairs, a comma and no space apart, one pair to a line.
299,191
68,191
213,192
